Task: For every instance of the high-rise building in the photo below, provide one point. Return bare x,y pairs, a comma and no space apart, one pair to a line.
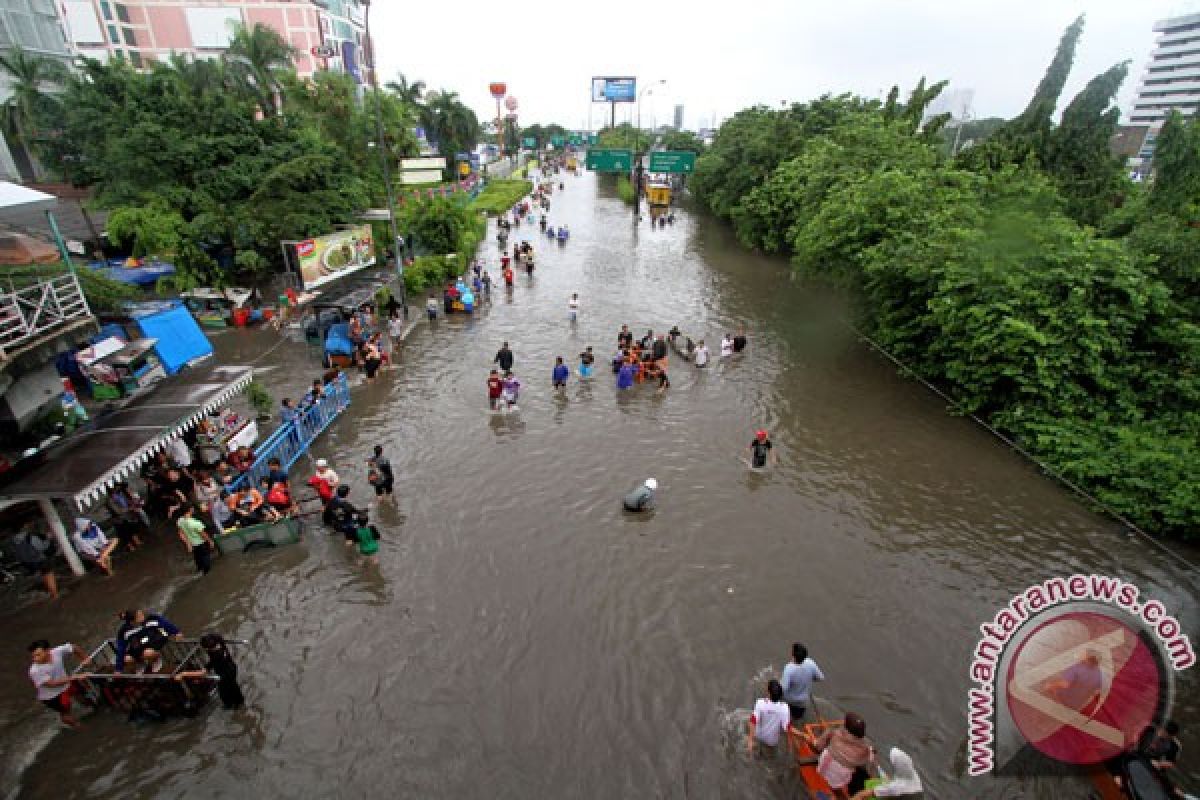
1172,77
327,34
1171,82
679,118
33,26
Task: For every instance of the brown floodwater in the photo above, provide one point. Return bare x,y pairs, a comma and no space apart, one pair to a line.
524,637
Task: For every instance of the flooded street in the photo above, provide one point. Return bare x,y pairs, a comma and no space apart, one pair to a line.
524,637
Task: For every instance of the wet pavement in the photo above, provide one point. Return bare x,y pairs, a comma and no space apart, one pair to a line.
523,636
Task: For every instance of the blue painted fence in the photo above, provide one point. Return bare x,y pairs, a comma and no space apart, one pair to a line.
290,441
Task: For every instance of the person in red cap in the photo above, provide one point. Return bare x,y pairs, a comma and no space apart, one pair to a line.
760,448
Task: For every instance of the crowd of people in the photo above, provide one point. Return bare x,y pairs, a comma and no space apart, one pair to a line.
141,646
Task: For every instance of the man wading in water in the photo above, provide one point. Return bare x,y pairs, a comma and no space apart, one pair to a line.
504,357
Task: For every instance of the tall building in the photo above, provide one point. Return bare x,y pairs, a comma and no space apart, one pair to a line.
1171,82
34,26
327,34
679,118
1172,77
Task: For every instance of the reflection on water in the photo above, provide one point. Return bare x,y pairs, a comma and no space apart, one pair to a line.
523,636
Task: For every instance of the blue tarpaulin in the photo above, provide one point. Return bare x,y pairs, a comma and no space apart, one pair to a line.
180,338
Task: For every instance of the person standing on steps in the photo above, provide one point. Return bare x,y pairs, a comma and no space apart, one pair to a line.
504,358
727,346
700,357
739,341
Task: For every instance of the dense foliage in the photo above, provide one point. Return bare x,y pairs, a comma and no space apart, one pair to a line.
499,195
211,163
1028,278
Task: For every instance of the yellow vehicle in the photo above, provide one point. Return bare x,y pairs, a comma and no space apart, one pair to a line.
658,194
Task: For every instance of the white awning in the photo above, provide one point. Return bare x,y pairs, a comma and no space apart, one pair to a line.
16,196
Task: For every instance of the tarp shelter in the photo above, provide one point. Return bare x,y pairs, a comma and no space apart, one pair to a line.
180,338
84,467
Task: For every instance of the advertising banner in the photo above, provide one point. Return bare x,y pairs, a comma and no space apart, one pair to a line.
614,90
329,257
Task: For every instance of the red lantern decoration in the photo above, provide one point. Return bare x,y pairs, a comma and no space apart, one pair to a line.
498,90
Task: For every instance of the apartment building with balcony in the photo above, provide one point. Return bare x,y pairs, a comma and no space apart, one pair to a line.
1171,82
327,34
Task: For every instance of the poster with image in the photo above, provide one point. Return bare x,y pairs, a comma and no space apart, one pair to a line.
327,258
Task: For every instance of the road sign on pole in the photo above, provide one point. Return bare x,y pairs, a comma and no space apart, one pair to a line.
673,161
575,140
609,160
529,143
557,141
593,139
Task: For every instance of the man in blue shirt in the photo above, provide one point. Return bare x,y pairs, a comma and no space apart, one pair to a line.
798,678
560,374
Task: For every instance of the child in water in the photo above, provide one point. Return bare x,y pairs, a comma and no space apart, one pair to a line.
368,539
512,388
586,360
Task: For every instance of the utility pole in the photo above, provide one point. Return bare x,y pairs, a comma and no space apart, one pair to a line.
383,156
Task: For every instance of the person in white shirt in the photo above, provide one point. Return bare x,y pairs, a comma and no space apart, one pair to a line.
770,719
904,782
326,473
700,357
92,544
50,678
727,346
573,307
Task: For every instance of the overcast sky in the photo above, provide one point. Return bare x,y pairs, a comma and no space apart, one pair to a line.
717,58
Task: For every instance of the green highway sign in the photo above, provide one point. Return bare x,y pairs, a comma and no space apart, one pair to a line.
593,138
558,141
529,143
575,140
673,161
610,160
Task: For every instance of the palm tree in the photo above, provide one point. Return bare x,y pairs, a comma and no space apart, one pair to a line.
29,75
450,123
255,56
409,93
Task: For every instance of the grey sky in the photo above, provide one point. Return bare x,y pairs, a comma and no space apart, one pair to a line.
723,57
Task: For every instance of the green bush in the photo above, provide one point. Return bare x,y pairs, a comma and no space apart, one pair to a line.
500,195
625,189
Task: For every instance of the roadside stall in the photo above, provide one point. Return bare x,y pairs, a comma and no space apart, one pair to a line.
80,470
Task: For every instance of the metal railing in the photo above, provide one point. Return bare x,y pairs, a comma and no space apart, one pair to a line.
29,312
292,440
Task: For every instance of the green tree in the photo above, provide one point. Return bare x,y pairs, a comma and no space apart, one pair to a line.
1077,153
257,56
408,93
451,124
682,140
31,77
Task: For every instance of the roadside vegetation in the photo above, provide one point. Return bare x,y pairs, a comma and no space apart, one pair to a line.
211,163
1028,277
499,195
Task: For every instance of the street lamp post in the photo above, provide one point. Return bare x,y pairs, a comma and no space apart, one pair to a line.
383,157
637,173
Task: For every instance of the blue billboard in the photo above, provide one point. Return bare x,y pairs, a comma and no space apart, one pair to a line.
614,90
